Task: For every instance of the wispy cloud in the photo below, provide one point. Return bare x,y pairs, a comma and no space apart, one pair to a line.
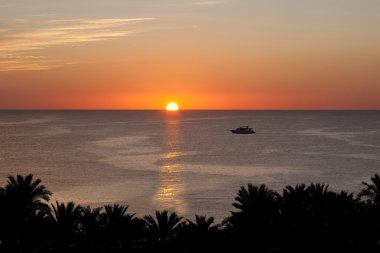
20,44
24,63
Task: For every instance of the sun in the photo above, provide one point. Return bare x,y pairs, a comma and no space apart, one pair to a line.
172,106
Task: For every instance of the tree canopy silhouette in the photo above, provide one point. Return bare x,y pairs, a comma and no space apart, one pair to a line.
372,190
303,219
163,226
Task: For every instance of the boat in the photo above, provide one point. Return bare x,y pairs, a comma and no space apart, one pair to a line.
243,130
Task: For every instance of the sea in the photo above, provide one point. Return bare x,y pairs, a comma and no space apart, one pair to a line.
187,161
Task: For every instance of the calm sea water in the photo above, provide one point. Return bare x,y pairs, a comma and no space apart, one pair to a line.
187,161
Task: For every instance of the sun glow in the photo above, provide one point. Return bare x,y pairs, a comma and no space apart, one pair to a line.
172,107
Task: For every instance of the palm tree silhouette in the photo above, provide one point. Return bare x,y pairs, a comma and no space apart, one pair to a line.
294,201
201,233
257,202
255,197
66,217
372,191
90,220
344,203
163,227
310,218
295,194
343,214
294,217
202,224
258,210
26,196
318,203
116,219
24,201
120,226
318,190
371,210
115,214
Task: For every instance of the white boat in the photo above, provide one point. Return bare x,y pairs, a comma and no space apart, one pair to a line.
243,130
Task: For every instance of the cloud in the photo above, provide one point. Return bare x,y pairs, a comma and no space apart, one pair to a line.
24,64
23,40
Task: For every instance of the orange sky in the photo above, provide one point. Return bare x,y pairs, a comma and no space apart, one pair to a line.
231,54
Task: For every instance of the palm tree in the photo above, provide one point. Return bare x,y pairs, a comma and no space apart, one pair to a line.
343,214
200,235
371,210
115,214
202,231
257,215
318,190
319,200
202,224
294,217
372,191
66,217
297,193
23,203
25,196
23,199
90,219
121,226
324,213
116,220
345,203
294,200
256,203
255,197
163,226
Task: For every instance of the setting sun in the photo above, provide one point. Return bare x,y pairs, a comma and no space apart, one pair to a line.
172,107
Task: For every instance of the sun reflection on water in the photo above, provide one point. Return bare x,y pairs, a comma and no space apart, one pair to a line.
171,187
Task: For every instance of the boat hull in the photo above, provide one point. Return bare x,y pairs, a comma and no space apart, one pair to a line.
242,132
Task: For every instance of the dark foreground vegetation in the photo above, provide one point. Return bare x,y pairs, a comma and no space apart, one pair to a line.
301,219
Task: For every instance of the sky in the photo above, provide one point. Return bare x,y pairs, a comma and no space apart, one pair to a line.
222,54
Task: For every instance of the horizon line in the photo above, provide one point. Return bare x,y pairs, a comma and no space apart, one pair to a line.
122,109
